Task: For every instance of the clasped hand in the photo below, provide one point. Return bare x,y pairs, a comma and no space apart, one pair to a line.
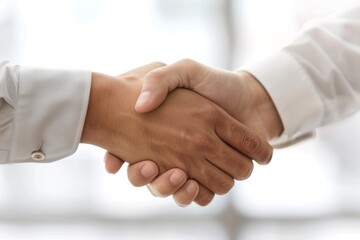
186,136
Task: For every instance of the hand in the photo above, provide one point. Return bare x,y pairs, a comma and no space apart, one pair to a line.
166,135
172,182
239,93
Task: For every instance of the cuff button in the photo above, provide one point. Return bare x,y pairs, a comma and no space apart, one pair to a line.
38,156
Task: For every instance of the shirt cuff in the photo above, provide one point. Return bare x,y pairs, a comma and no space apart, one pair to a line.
50,114
293,93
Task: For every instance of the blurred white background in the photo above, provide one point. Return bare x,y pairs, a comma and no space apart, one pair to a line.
309,191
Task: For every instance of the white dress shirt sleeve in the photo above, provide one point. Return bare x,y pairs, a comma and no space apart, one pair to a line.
41,111
315,80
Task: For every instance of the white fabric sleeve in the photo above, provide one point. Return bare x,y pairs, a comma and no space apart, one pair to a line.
315,80
41,110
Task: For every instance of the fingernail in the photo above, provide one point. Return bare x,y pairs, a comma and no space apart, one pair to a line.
142,99
147,171
176,178
153,191
191,188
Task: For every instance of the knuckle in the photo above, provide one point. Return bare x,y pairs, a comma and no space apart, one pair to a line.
158,64
190,65
201,141
187,61
154,75
220,185
250,141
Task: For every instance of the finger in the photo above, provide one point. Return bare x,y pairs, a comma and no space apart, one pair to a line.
187,193
167,183
112,163
216,180
142,173
204,197
161,81
143,70
232,162
244,140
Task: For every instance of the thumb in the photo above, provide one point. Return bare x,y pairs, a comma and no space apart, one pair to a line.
153,93
156,86
161,81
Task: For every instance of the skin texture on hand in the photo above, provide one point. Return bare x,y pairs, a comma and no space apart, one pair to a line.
145,172
187,132
238,93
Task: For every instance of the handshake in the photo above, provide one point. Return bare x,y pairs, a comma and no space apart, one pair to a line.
185,129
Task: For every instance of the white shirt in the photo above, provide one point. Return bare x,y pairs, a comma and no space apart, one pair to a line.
41,110
315,80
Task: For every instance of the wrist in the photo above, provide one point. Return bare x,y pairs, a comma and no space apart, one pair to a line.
264,108
105,93
92,119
